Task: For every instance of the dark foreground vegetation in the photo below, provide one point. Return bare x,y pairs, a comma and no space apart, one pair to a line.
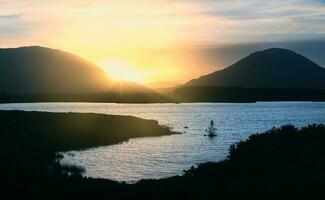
283,162
30,141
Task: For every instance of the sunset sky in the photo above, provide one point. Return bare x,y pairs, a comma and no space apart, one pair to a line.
162,40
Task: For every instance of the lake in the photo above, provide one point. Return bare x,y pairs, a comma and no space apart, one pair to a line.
165,156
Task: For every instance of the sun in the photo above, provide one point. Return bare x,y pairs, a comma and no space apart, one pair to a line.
122,71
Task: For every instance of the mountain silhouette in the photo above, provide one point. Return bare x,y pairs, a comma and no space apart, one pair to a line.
272,68
39,74
42,70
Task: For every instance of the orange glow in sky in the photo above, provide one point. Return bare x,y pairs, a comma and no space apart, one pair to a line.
131,39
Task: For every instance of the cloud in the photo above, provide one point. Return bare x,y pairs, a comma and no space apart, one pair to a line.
218,32
12,26
97,23
8,17
220,57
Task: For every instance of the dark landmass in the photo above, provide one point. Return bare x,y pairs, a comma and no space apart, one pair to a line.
29,70
30,142
35,71
72,131
283,162
103,97
270,75
237,94
271,68
178,95
39,74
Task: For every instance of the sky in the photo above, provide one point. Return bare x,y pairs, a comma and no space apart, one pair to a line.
164,40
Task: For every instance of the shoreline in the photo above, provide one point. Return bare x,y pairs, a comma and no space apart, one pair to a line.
254,166
71,127
167,103
178,95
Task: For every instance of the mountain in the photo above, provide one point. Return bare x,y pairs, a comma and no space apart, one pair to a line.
36,69
38,74
272,68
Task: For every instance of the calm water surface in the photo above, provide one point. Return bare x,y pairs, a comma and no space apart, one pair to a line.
159,157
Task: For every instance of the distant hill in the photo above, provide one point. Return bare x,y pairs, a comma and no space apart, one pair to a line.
42,70
270,75
39,74
272,68
161,84
240,94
